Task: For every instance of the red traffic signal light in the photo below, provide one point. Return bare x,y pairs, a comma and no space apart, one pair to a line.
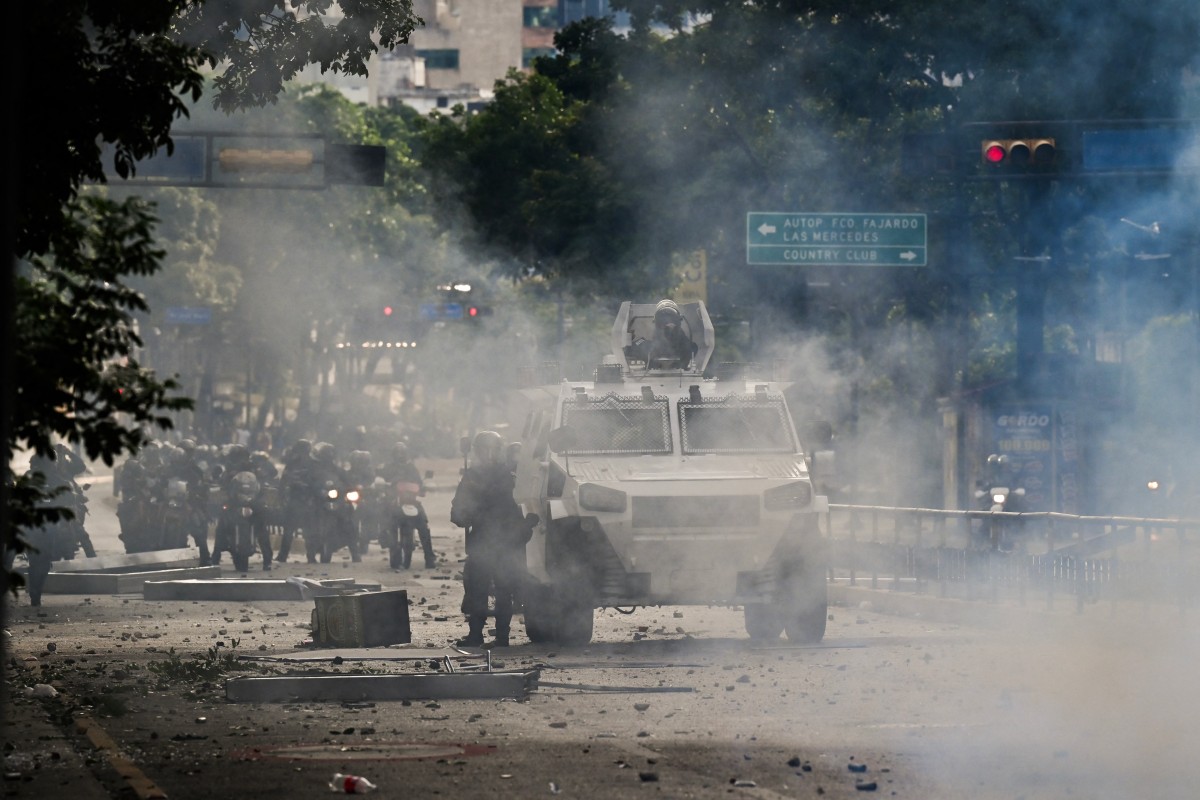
387,311
1035,151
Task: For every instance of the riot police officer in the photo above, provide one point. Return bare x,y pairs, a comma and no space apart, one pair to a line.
496,535
183,464
59,539
298,497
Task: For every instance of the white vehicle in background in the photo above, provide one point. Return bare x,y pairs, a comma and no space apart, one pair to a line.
656,486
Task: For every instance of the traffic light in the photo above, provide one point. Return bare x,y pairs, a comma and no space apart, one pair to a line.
1029,153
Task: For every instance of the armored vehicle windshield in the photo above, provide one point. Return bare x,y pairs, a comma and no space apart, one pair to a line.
614,425
735,425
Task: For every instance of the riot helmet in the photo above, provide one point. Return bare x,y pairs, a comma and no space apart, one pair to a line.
488,447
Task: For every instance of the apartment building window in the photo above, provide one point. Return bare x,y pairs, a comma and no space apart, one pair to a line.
528,54
541,17
439,59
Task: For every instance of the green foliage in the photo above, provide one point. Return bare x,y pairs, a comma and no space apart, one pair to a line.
75,333
213,665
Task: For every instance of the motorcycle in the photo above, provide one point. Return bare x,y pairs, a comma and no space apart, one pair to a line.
371,515
237,526
334,524
405,522
999,530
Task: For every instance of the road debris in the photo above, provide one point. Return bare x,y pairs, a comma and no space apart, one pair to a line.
351,784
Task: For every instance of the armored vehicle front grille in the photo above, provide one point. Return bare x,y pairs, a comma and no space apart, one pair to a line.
695,512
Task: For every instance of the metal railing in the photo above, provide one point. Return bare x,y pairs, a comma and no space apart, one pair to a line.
994,556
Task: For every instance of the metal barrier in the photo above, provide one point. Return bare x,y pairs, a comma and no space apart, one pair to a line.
986,555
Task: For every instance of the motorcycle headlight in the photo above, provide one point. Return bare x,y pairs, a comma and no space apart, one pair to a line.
332,494
788,496
997,498
601,498
352,496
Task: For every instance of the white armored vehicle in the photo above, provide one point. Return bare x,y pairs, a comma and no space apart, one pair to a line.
656,486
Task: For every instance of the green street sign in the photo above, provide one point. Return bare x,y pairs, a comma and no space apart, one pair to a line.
839,240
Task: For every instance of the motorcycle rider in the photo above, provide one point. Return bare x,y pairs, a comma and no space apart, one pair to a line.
298,493
401,469
496,535
327,473
182,464
361,476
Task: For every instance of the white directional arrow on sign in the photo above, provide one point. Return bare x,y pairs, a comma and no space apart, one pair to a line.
765,229
908,255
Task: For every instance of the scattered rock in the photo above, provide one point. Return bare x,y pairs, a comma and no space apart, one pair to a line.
648,777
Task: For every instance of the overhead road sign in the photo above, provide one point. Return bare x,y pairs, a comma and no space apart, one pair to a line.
205,159
836,239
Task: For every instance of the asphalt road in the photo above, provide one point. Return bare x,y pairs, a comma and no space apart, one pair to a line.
666,702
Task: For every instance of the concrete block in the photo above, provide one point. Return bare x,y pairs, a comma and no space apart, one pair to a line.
132,562
370,619
359,688
119,582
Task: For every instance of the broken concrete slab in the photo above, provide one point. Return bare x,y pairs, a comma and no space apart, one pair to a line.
452,659
119,582
338,654
132,562
234,589
359,688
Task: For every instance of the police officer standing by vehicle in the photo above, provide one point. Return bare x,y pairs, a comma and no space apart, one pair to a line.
496,535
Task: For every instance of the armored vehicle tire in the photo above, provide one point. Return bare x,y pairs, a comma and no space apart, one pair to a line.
575,624
551,619
763,621
806,624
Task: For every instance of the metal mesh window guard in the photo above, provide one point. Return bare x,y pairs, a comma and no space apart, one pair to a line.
614,425
735,424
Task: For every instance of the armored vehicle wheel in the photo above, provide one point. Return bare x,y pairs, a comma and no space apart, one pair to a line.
763,621
807,626
806,605
575,624
538,605
552,619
